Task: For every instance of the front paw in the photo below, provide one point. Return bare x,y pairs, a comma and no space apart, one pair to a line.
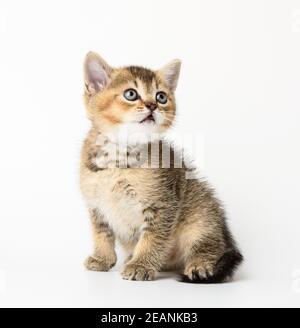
100,263
137,272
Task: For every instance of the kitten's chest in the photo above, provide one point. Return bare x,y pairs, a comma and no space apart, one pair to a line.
117,196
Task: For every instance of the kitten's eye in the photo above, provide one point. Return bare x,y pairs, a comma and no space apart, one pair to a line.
131,95
161,97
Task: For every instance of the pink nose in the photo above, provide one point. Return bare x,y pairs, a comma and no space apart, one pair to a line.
151,105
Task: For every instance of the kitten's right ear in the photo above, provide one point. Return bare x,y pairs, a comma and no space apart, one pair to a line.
96,73
170,73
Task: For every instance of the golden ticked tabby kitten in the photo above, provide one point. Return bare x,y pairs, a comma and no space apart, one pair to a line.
163,219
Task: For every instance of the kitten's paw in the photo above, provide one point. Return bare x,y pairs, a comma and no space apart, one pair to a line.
100,264
137,272
198,270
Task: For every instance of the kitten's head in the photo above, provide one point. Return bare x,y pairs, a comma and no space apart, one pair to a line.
133,98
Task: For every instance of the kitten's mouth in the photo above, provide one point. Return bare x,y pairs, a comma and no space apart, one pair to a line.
148,119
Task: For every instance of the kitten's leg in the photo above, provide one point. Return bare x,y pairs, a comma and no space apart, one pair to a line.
210,255
151,251
104,256
201,261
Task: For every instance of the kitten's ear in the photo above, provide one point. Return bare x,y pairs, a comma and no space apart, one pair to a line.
96,73
170,73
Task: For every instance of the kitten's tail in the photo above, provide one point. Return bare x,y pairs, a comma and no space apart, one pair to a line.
223,271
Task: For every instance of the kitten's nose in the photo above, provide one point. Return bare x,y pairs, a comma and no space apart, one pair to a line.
151,105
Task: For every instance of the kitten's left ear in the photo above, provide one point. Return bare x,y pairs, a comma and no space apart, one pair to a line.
170,73
96,73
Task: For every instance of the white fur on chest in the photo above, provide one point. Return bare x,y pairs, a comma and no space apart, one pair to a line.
122,211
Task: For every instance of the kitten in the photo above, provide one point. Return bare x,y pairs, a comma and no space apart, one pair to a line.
164,220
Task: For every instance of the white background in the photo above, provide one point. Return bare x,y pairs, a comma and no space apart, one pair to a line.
239,88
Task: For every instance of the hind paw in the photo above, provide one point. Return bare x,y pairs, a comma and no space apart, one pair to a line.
198,270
